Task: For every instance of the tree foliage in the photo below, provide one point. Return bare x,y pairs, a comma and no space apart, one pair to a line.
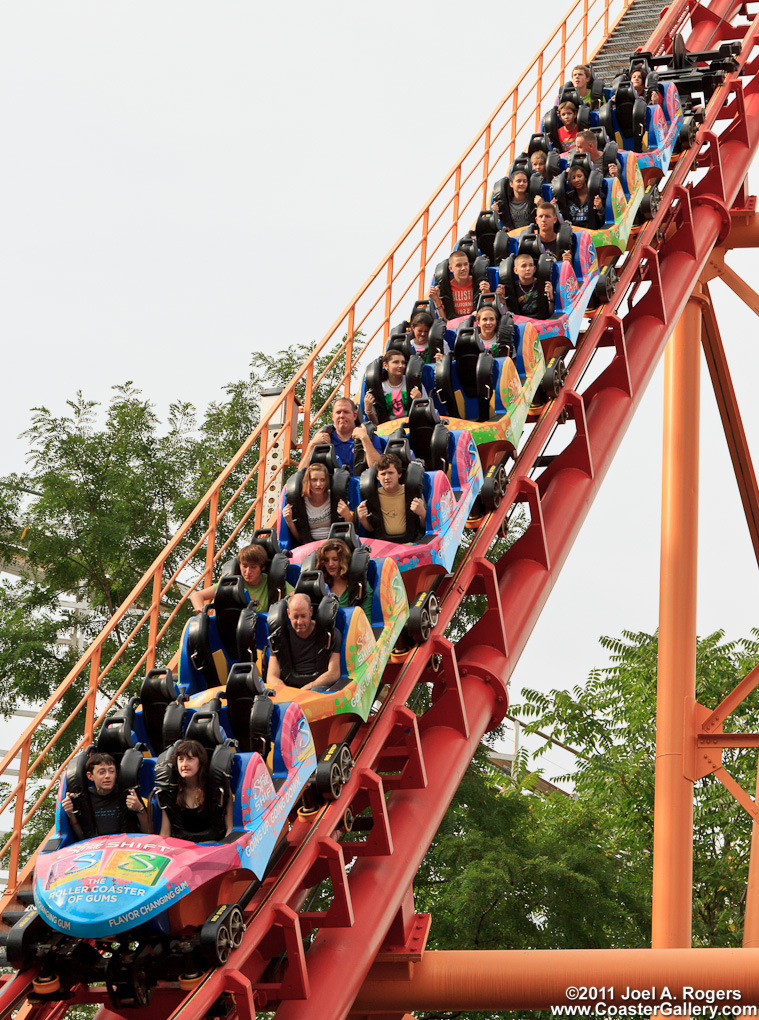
510,869
611,720
105,489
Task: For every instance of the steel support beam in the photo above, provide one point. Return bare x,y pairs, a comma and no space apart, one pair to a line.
541,978
673,803
731,422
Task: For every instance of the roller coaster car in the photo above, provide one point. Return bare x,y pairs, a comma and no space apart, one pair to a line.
622,195
364,653
376,374
576,287
401,336
641,129
426,554
696,75
111,908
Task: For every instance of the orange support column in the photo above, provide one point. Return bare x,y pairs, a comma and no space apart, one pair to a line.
673,807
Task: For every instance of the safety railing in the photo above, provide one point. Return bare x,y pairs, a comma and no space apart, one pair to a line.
360,329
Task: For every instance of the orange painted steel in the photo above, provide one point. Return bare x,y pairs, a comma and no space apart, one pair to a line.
395,283
673,805
732,423
540,978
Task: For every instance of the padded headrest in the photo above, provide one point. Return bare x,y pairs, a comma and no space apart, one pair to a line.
522,164
244,677
582,160
625,95
538,143
311,583
489,301
467,344
116,734
324,453
267,539
205,728
401,342
345,531
468,244
422,414
402,449
158,686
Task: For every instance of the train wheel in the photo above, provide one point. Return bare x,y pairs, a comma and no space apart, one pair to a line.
236,927
333,771
346,762
679,53
554,377
418,624
493,487
433,607
605,286
329,780
686,136
221,933
650,203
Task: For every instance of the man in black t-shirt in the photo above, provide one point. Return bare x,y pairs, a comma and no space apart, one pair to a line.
111,815
307,660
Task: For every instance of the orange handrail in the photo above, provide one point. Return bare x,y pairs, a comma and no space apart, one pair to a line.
359,329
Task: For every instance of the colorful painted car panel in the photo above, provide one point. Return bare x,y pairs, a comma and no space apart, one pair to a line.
101,887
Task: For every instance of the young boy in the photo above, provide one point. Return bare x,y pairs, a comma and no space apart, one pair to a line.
526,287
547,221
520,207
581,81
110,814
392,499
568,130
538,162
397,398
462,287
252,560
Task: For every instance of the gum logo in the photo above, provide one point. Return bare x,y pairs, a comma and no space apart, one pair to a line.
75,868
136,866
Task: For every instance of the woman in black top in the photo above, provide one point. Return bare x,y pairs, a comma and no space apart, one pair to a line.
191,765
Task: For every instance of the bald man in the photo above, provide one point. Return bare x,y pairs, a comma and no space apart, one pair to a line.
310,666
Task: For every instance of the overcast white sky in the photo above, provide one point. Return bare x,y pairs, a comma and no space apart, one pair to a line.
185,183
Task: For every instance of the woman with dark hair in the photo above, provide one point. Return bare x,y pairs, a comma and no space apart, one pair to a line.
577,197
195,815
333,559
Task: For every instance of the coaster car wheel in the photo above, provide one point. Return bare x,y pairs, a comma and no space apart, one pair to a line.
606,285
494,487
222,932
686,136
333,771
651,202
554,377
423,616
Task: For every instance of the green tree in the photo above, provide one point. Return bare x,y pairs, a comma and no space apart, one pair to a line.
611,721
